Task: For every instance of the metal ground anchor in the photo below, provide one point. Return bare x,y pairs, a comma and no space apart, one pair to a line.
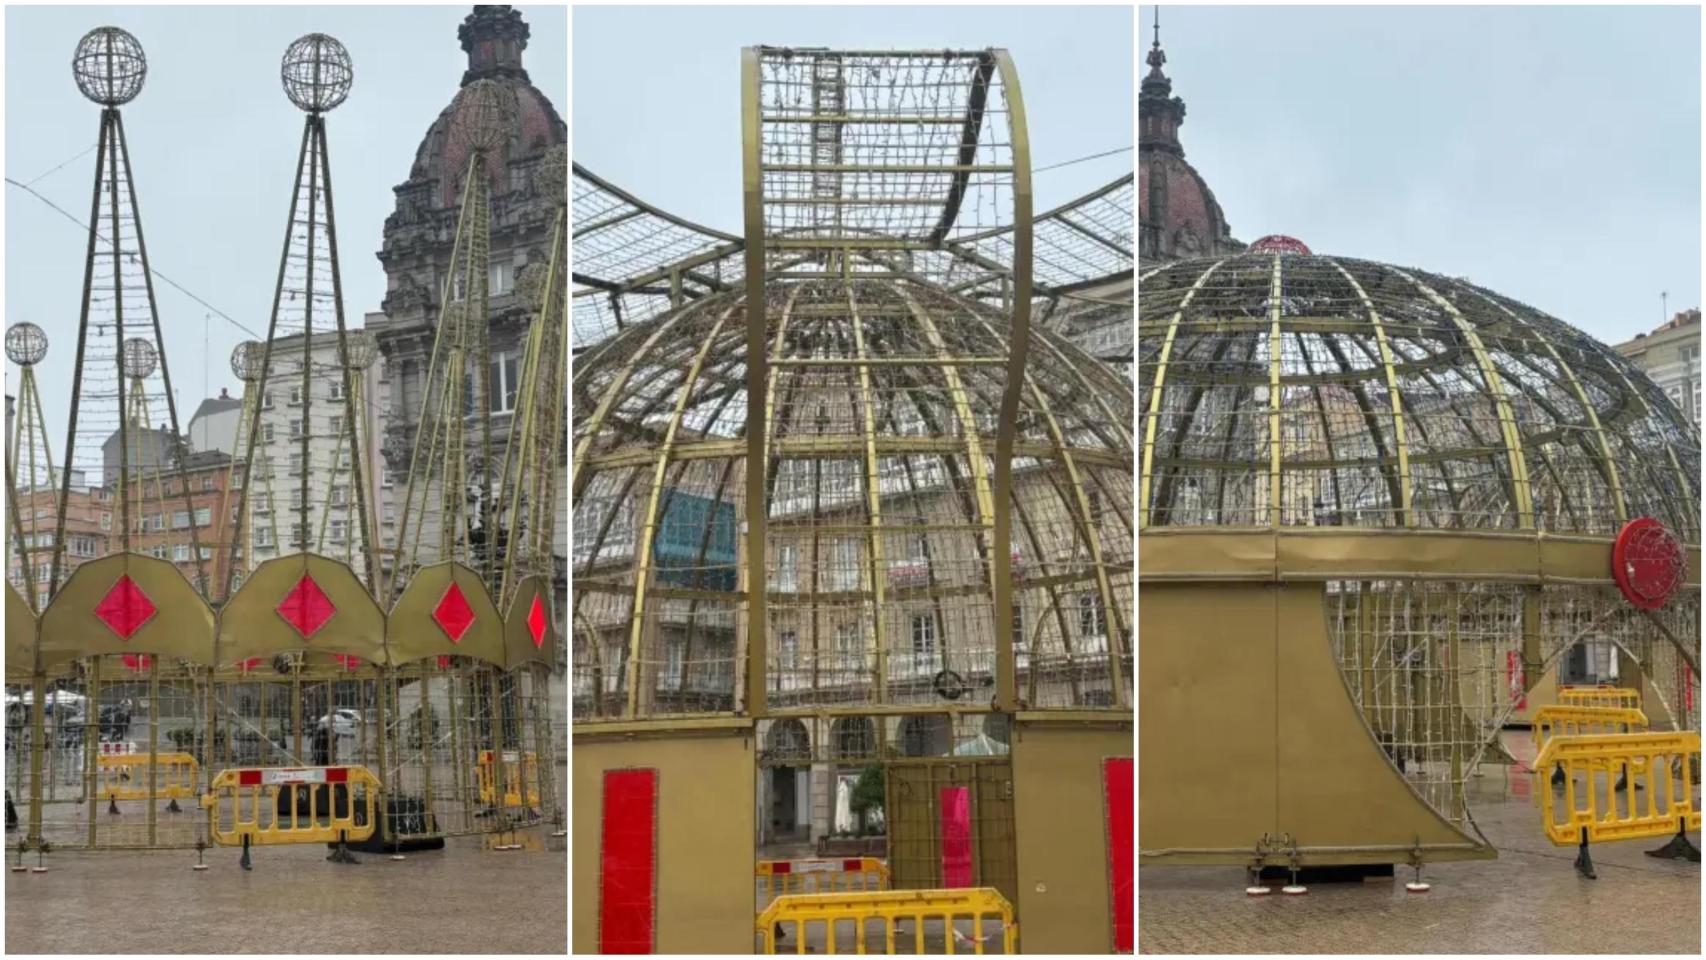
1417,885
40,867
173,806
19,866
199,865
112,805
1254,887
244,862
1679,847
1584,862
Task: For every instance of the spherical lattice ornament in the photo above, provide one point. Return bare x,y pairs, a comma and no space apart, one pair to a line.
246,361
362,349
139,357
554,174
485,113
26,344
316,72
109,66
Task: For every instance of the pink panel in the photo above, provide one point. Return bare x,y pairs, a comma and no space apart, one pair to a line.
956,837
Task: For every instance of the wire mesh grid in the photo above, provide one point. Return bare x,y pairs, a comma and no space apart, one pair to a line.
1438,667
1388,398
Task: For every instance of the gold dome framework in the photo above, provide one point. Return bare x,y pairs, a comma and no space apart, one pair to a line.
939,580
1399,492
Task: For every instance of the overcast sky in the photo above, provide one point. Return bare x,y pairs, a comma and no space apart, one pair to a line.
213,146
1549,153
657,89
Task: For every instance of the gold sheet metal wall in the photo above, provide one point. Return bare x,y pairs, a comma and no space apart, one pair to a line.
705,826
1276,754
1061,831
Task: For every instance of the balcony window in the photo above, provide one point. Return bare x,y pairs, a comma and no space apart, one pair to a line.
1092,619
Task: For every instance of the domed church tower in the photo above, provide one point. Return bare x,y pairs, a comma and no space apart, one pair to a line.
419,234
1176,211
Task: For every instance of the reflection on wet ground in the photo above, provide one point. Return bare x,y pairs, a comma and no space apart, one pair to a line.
1529,900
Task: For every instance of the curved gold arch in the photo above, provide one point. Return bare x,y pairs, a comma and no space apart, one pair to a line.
250,624
182,624
412,633
20,637
518,633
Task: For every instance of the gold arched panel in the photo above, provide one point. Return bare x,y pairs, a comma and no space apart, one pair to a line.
20,636
169,618
414,632
252,623
519,647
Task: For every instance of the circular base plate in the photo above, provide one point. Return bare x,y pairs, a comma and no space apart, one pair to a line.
398,856
1296,890
198,866
1418,887
38,869
1258,891
19,869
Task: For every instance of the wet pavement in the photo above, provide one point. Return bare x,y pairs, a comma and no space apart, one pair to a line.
462,899
1529,900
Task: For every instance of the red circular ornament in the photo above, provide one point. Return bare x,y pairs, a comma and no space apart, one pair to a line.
1278,243
1647,563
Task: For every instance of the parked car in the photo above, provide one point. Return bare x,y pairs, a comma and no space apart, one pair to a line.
344,722
18,706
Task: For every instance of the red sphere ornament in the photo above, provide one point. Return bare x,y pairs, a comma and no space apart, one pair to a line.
1278,243
1647,563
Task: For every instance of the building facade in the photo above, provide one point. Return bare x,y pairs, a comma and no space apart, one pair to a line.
90,518
1177,214
420,234
213,426
328,523
1671,356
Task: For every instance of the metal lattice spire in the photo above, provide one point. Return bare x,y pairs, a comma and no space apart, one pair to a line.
118,307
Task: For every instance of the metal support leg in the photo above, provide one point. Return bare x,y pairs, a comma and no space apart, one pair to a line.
1679,847
342,854
1584,862
244,862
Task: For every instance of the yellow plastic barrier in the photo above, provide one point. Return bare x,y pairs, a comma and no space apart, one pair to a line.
1601,695
796,916
516,776
825,875
271,805
124,776
1573,721
1585,807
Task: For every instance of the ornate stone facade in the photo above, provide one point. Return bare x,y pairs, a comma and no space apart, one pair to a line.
419,234
1177,214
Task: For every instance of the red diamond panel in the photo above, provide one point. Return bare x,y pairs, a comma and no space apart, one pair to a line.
453,614
306,607
536,622
125,608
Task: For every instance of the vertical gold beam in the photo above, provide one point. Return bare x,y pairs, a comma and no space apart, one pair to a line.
1006,687
1406,485
1521,492
873,500
1275,358
1152,417
647,530
757,510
